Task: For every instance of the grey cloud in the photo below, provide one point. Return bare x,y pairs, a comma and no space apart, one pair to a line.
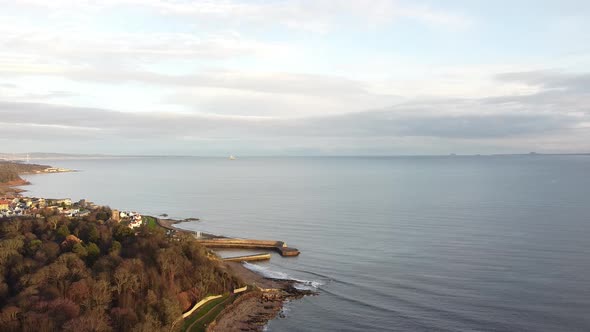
108,122
485,126
549,79
15,132
559,92
553,100
244,93
517,119
393,124
389,123
257,91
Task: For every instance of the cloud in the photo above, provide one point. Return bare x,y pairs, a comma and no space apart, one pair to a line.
303,74
69,46
190,49
246,92
550,79
281,83
558,92
394,122
431,125
39,116
306,15
561,104
42,96
472,126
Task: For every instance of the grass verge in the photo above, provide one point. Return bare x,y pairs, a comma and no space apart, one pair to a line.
150,222
198,321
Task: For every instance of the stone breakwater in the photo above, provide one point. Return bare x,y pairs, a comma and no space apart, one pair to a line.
248,258
215,241
278,246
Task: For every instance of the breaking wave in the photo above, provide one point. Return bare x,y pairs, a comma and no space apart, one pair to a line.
301,284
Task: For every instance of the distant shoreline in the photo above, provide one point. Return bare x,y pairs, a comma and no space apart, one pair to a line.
16,169
58,156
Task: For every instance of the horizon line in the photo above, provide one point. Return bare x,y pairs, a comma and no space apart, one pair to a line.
49,155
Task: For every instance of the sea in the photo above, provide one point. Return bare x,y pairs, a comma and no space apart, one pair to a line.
444,243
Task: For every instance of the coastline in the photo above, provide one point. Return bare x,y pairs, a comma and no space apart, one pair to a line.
250,311
253,310
8,188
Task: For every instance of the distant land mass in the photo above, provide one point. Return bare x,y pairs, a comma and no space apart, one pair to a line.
23,156
51,155
10,175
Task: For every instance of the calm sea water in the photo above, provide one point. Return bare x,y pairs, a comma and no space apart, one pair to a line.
400,244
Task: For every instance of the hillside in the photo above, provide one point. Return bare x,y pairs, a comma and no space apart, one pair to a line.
9,171
89,274
9,175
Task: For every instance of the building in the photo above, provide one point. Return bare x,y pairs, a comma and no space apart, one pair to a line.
136,220
115,215
65,201
39,202
57,202
5,204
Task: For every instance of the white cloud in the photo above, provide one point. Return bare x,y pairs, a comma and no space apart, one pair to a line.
310,15
303,72
82,47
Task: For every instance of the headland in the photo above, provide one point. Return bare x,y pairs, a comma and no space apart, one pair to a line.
10,173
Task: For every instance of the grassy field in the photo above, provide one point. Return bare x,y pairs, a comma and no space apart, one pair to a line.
206,314
150,222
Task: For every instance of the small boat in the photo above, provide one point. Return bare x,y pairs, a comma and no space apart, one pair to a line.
232,157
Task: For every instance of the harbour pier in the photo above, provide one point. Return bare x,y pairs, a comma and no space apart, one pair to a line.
215,241
278,246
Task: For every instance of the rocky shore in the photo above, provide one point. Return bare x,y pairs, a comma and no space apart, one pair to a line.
250,312
253,310
8,188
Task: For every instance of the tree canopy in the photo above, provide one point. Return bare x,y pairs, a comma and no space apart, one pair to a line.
85,274
9,171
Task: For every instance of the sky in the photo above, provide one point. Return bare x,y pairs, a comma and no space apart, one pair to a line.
305,77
